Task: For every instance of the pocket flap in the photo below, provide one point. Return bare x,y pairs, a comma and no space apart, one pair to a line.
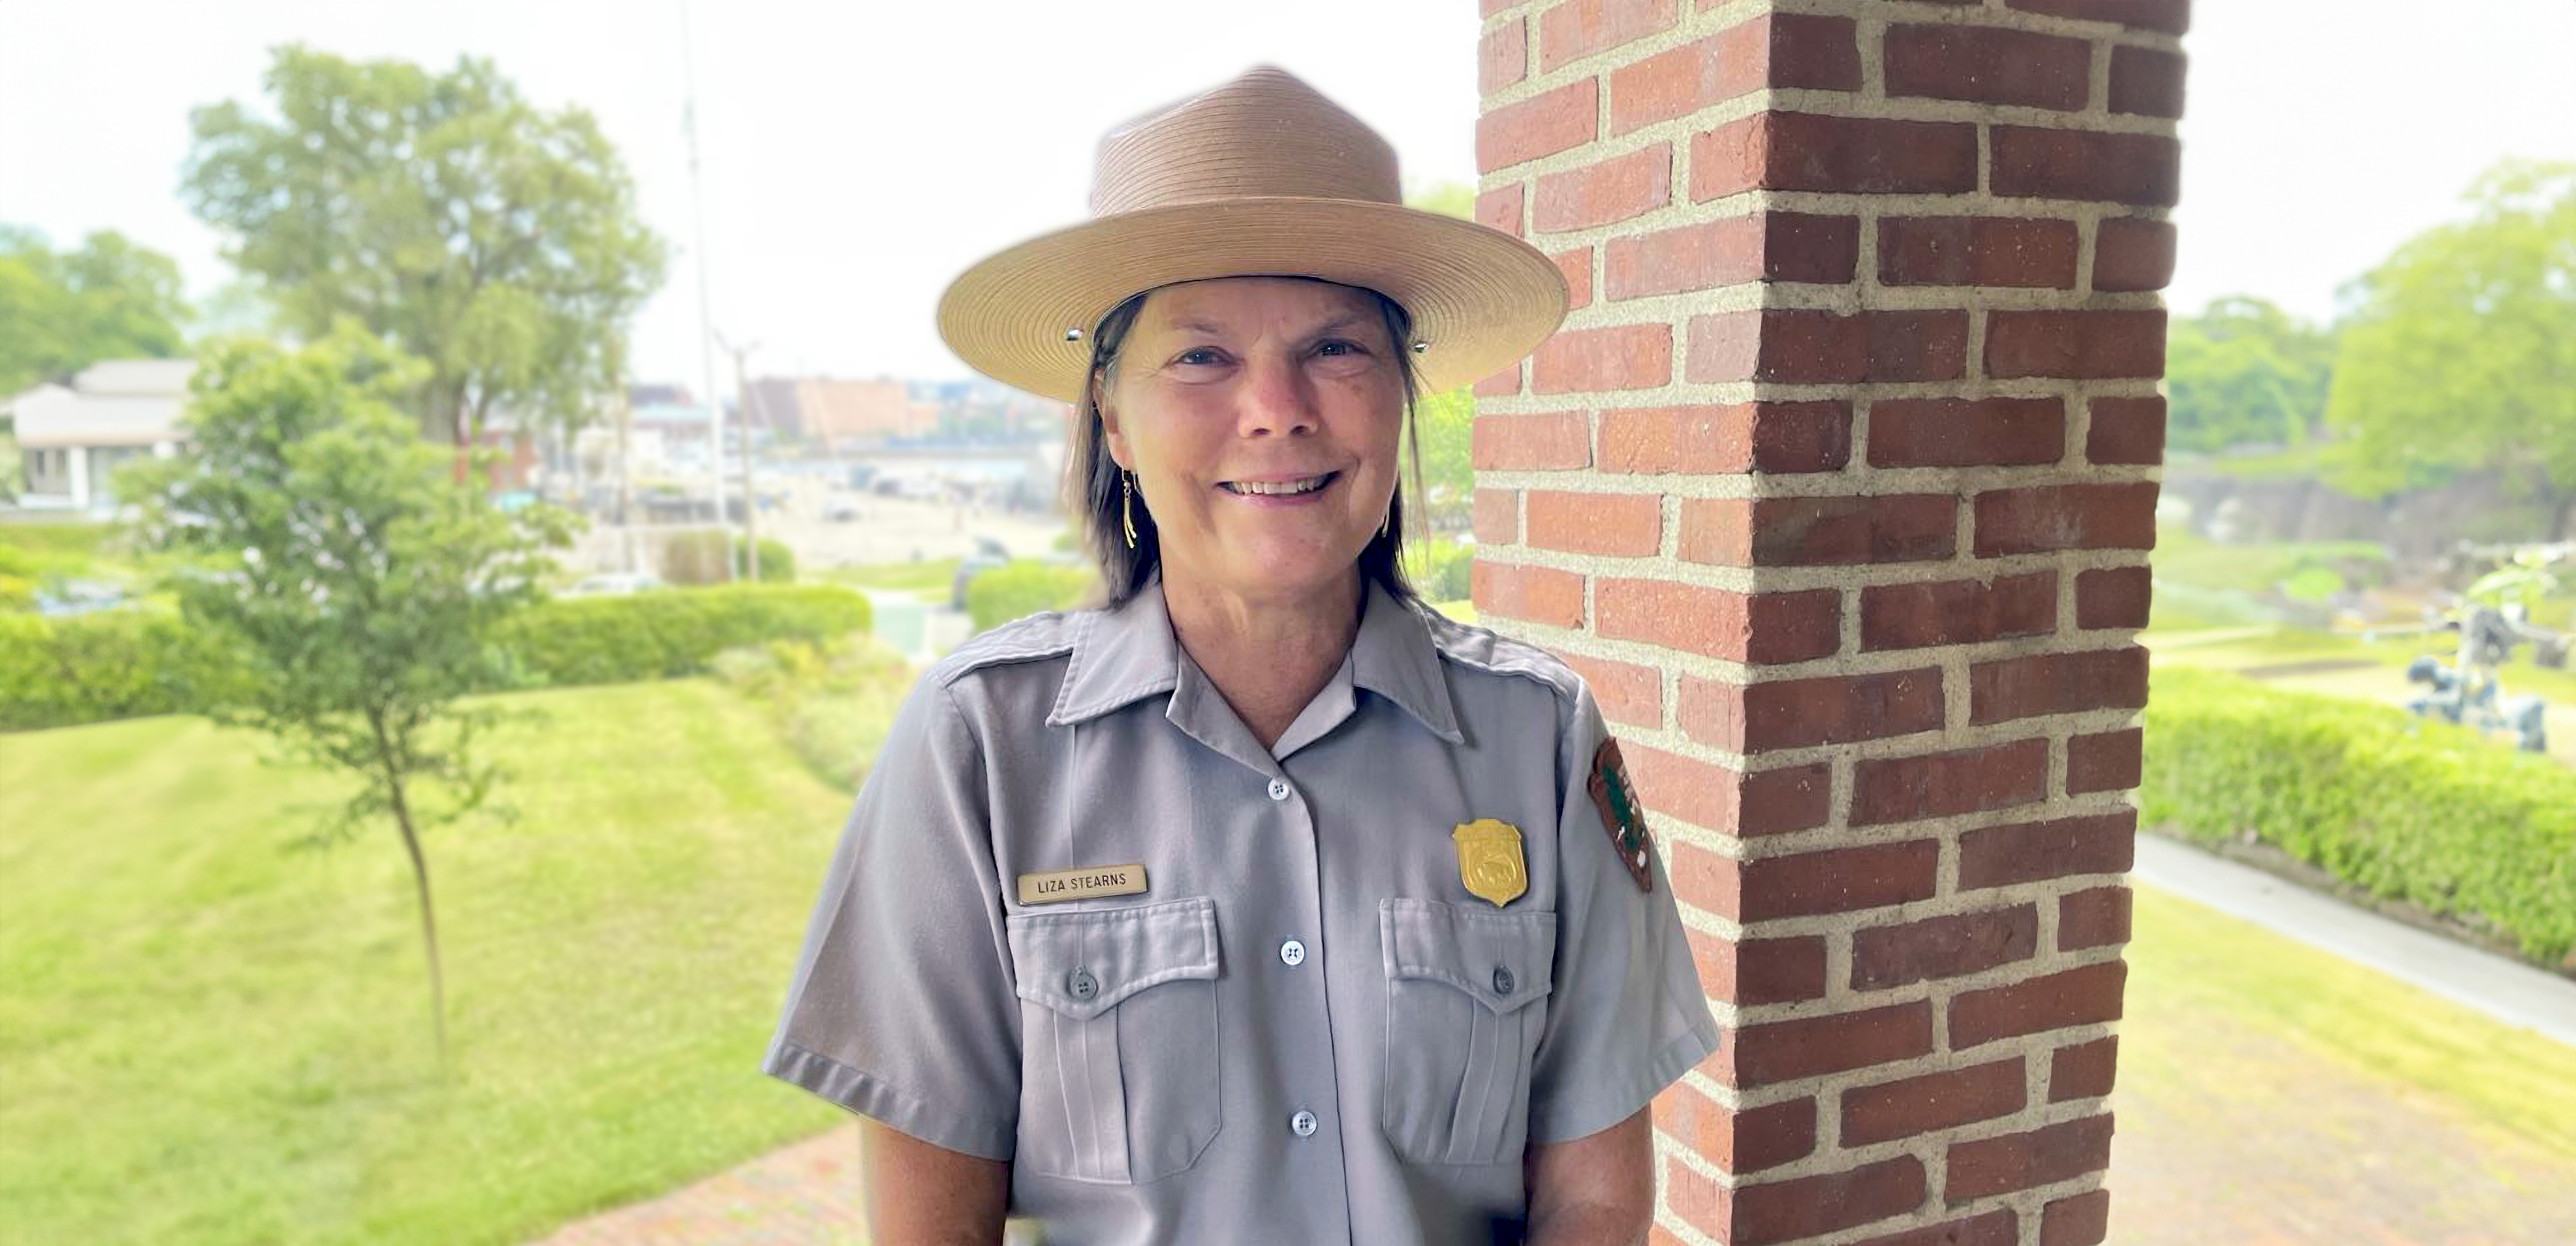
1504,960
1082,963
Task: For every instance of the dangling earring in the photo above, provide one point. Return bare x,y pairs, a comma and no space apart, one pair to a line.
1387,520
1127,506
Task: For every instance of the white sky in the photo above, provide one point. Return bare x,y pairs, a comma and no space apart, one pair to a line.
858,154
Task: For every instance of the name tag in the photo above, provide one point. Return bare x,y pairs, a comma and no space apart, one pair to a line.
1090,883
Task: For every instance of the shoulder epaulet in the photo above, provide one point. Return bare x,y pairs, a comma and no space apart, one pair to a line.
1481,649
1035,638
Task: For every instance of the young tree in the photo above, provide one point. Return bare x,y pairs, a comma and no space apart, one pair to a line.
2460,350
356,580
497,242
2245,372
63,311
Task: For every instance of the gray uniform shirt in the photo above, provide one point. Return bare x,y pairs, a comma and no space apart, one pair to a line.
1304,1028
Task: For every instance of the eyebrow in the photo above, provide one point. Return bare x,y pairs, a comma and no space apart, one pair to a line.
1344,321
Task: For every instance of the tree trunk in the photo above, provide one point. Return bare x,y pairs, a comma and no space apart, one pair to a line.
420,877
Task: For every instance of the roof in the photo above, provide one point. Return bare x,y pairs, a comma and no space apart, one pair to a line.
165,378
117,402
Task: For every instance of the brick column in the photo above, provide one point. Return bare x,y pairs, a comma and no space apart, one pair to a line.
1838,486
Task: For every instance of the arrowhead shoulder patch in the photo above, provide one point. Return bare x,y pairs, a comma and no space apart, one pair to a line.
1622,815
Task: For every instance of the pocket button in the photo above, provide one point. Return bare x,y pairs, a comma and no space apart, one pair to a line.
1082,985
1503,983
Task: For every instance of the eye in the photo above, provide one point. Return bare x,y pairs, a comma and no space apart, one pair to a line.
1199,356
1339,346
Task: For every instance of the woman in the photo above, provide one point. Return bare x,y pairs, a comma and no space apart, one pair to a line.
1261,904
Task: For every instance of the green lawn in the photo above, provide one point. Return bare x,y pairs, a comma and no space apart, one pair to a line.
206,1039
932,580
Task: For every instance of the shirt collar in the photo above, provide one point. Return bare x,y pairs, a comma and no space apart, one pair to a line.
1128,653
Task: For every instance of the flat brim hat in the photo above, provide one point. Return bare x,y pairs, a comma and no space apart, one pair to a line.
1260,177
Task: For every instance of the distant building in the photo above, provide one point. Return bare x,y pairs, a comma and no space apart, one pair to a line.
74,437
842,414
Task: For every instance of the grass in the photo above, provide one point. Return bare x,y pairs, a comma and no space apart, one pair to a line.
2184,558
207,1039
933,579
2194,971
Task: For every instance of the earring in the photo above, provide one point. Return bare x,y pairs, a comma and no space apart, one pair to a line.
1127,506
1387,520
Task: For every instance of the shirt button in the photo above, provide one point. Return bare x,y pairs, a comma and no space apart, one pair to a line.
1279,789
1082,984
1302,1124
1292,953
1502,981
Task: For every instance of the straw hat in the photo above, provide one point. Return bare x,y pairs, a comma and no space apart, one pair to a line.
1262,176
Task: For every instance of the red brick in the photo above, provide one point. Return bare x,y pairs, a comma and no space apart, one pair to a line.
2057,683
1542,125
2055,517
2133,254
1779,50
1956,612
1738,1142
2095,918
1617,525
1819,531
1814,347
1503,384
1488,8
2029,252
2076,1220
1519,443
1988,65
1938,785
2086,996
1500,208
1836,155
2126,430
1839,880
1767,627
1805,1207
1627,693
1794,713
1536,594
1764,802
2170,17
1966,432
1775,437
1498,517
2108,762
1697,1199
1780,971
1698,792
2083,1070
1995,1228
2146,82
1705,879
1920,1105
1992,1166
2113,597
1502,56
2078,345
1784,799
2029,852
1784,1051
1637,356
1576,267
1943,947
1579,28
1606,191
1765,246
2144,170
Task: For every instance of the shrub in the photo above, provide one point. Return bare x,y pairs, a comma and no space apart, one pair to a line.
1440,570
656,635
111,664
697,557
1019,589
2426,813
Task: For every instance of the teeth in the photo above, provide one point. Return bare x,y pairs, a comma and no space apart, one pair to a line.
1279,488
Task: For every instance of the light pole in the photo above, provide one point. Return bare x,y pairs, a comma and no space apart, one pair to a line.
750,495
706,333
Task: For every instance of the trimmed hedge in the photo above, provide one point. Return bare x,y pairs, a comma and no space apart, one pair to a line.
656,635
1019,589
111,664
2426,813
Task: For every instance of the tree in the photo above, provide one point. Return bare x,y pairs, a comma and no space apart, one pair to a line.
496,242
2459,351
2244,372
63,311
357,582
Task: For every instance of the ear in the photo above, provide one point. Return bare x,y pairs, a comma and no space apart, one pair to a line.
1109,426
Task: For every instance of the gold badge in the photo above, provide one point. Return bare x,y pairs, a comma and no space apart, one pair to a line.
1090,883
1489,860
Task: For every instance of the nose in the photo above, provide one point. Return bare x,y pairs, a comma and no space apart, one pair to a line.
1277,398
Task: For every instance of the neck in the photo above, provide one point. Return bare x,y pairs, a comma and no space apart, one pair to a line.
1267,655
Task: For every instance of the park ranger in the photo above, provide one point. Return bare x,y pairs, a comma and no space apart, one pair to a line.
1260,904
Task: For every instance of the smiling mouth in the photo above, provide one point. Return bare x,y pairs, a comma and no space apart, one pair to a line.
1278,488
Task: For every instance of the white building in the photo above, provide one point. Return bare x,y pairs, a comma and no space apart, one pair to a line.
74,437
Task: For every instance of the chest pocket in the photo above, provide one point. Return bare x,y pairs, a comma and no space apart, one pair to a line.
1118,1040
1464,1009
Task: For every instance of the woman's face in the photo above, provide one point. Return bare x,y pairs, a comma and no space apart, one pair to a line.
1260,416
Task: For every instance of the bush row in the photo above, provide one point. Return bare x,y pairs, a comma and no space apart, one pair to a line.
2424,813
1019,589
135,662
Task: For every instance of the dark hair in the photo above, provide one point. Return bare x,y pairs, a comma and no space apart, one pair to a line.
1092,481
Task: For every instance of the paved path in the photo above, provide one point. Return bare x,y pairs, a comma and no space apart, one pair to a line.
2507,990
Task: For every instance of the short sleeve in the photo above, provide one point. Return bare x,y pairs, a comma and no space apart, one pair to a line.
902,1005
1628,1017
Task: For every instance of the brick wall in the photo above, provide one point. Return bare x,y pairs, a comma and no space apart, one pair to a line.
1838,486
